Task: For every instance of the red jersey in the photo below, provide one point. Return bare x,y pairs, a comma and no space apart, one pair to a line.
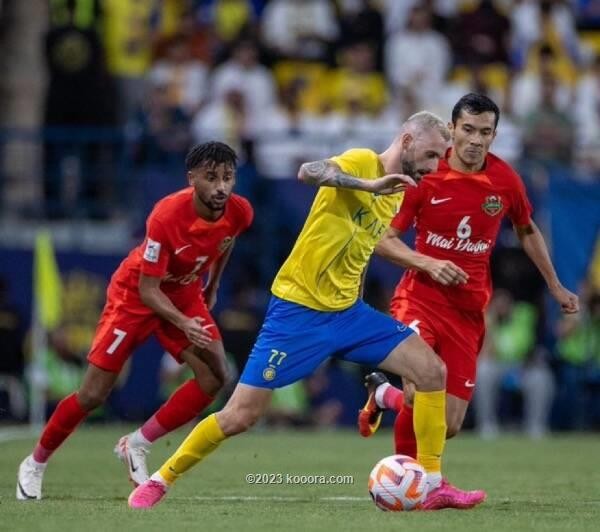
457,217
180,247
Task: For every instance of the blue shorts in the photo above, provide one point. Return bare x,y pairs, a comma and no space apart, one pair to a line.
295,340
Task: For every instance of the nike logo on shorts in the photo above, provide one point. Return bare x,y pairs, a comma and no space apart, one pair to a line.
469,384
435,201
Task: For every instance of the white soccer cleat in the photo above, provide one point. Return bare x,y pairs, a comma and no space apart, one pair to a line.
134,457
29,480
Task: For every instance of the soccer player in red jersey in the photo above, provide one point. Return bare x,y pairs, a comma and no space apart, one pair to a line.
457,213
158,289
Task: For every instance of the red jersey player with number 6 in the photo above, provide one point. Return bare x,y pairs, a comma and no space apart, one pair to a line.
457,213
158,289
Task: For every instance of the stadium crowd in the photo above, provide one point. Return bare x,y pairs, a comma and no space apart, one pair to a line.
132,84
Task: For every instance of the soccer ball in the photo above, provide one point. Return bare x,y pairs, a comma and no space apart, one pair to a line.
398,483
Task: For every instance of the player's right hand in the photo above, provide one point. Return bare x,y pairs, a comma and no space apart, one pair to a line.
390,184
196,333
446,272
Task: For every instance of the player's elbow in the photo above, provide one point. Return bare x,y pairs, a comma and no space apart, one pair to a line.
384,248
302,175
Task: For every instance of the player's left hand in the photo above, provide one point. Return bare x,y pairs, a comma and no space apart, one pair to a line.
210,296
568,301
391,184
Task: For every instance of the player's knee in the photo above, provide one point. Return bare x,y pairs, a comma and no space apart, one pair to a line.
212,383
433,375
236,421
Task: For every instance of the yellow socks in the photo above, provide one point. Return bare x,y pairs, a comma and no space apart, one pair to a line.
429,420
204,438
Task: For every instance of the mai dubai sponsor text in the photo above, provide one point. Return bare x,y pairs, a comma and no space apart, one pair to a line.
465,245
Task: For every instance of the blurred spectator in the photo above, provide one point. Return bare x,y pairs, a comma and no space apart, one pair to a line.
549,131
198,35
130,30
361,21
227,119
417,58
587,109
508,360
550,21
527,89
80,92
12,361
356,81
162,130
299,29
230,20
481,36
396,14
184,78
578,371
243,73
79,87
282,144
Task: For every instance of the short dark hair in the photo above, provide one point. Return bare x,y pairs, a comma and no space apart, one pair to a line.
475,104
210,152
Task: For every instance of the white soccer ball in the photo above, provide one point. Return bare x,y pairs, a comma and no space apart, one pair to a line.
398,483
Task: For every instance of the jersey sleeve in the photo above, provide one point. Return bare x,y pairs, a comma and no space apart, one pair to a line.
247,215
409,208
352,162
520,208
157,249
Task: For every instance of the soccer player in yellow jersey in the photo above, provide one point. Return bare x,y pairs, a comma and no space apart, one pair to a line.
315,311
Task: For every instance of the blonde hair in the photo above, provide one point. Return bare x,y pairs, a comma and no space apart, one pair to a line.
424,120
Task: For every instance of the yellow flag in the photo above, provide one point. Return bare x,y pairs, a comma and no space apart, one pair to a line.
47,284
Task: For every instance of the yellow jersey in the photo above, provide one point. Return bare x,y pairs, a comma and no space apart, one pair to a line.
324,269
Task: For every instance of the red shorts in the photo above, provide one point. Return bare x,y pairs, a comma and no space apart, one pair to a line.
124,326
455,335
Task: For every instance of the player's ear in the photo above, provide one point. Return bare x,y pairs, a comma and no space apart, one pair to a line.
451,129
190,177
406,140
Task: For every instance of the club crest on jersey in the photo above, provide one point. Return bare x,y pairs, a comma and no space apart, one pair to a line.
492,205
225,243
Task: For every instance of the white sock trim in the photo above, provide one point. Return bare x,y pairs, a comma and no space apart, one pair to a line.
433,480
379,393
157,477
36,464
137,439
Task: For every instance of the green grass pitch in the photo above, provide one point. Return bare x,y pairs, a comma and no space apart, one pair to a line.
544,485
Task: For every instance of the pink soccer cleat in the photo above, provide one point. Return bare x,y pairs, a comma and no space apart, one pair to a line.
147,495
448,496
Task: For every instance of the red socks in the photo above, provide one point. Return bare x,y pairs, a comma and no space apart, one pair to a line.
393,398
184,405
67,415
405,440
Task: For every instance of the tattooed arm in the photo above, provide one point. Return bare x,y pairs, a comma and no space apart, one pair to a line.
326,173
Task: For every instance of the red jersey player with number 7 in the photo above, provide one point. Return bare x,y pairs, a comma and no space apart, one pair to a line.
158,289
457,213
